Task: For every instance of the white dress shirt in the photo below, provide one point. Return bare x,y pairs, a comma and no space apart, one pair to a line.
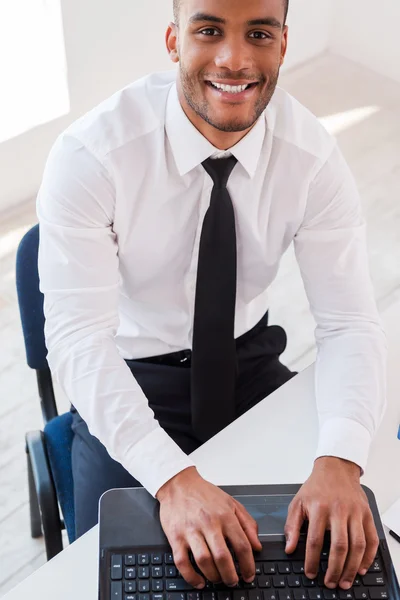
121,207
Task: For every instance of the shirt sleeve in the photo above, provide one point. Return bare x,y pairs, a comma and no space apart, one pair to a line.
79,277
350,373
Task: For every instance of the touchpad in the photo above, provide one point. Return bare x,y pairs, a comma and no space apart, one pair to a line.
270,512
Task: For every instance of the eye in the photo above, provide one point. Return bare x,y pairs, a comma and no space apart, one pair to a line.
267,36
208,29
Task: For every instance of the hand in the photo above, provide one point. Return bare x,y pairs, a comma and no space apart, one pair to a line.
198,516
332,498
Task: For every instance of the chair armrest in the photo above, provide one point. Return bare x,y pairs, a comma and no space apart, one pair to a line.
46,493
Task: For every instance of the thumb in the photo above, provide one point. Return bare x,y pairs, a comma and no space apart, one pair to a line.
293,525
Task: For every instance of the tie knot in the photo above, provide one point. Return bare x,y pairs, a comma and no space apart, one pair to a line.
219,169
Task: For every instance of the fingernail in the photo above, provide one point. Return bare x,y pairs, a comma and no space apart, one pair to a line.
363,571
330,584
200,586
346,585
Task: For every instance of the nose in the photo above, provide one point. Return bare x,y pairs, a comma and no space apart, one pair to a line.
233,54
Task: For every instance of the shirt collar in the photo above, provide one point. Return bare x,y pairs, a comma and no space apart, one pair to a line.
190,148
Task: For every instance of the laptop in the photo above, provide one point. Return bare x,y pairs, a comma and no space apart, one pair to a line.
135,560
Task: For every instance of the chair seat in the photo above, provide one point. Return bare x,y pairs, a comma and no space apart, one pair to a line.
59,435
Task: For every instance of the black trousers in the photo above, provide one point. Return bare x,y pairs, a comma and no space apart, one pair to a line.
166,384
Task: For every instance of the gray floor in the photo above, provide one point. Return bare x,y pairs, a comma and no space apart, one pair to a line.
363,110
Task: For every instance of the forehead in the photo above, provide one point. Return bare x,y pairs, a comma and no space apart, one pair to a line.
234,10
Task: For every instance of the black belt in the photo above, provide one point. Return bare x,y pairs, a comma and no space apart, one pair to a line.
183,358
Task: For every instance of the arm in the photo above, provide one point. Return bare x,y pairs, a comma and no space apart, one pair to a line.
78,269
350,377
332,255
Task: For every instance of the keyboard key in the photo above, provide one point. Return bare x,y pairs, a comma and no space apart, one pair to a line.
157,585
144,586
375,567
193,596
130,560
278,581
315,594
361,593
177,585
176,596
143,572
144,596
378,594
116,566
255,595
264,582
168,558
285,595
372,579
269,568
156,559
330,594
345,595
130,597
143,559
357,581
210,595
248,586
259,569
299,594
237,595
324,566
116,590
157,597
130,573
308,582
293,581
157,572
224,596
170,571
130,587
298,567
284,567
270,595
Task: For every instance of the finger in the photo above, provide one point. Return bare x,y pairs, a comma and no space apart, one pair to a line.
372,543
203,558
294,521
357,545
315,542
222,557
180,552
242,549
249,526
338,550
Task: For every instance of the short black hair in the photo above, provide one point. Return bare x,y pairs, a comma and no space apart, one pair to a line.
177,7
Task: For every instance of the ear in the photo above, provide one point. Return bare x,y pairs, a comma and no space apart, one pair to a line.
284,44
171,40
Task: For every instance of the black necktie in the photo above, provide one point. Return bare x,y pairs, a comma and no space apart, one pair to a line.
214,366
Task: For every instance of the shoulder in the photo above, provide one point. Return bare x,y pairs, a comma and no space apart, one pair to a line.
295,125
130,113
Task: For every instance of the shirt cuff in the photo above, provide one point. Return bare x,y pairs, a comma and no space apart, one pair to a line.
155,460
345,438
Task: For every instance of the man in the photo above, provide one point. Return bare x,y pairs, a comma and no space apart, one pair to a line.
164,213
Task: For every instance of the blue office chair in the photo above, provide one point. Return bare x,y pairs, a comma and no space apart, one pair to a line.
49,451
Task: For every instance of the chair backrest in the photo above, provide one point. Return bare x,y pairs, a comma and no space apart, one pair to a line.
30,300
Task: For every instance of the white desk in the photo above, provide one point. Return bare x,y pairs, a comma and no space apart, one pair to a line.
273,443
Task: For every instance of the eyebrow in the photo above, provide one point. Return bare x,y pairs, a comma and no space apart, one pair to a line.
269,21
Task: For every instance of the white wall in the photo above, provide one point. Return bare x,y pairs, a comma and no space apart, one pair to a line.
309,24
367,32
110,43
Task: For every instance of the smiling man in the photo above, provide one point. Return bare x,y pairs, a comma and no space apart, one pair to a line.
164,213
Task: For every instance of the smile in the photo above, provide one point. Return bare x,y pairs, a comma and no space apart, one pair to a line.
232,92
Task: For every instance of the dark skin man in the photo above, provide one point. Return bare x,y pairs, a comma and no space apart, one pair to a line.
238,43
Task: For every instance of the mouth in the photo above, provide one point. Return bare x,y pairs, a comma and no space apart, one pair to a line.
238,93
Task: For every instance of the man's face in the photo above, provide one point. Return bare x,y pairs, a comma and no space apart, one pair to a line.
234,52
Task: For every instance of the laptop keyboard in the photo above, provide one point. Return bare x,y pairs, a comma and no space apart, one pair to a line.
152,575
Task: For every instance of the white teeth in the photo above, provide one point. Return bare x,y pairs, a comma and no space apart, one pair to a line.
233,89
